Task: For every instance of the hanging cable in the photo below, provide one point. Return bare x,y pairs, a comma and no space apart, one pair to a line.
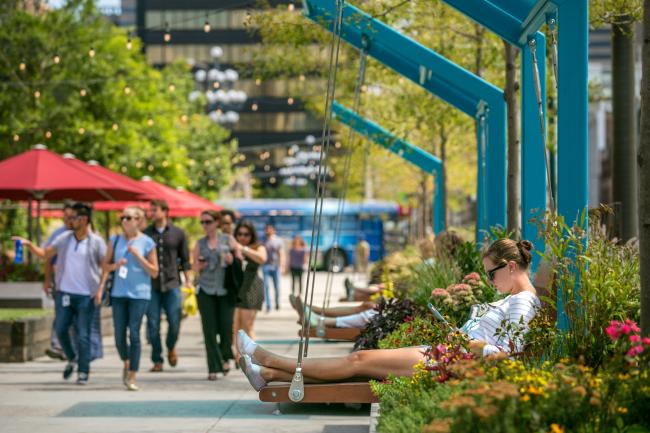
483,126
296,389
532,44
320,331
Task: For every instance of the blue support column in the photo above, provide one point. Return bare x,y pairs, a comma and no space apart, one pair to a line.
438,205
572,194
533,164
496,159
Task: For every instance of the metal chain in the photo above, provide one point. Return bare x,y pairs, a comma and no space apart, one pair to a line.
551,25
346,173
532,44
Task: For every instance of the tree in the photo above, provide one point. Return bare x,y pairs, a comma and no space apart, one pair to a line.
644,176
514,147
621,15
68,80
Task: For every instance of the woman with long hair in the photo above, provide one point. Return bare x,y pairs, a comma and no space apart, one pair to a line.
506,263
211,256
251,292
133,260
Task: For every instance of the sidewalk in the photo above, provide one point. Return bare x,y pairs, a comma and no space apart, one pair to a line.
34,397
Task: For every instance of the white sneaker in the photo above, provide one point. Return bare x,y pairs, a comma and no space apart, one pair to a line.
245,344
252,372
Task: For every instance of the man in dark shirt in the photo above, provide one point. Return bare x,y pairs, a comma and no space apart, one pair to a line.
173,256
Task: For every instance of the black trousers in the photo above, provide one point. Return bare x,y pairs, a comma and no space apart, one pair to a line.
296,280
216,320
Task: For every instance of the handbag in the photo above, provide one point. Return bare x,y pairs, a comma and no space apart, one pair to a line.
106,296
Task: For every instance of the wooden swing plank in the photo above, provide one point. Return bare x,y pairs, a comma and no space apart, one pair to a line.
343,392
343,334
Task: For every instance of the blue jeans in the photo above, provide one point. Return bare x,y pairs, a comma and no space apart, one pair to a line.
128,314
169,301
96,348
271,273
80,310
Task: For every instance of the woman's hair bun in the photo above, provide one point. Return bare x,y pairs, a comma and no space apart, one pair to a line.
524,248
525,244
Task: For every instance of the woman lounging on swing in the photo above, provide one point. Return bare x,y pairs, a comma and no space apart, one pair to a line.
506,263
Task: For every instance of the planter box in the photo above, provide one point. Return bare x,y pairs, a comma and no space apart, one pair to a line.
24,339
24,295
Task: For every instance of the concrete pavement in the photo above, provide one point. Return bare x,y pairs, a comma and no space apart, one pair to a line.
34,397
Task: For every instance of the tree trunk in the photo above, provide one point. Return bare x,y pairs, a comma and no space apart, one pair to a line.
514,178
644,176
443,158
624,150
367,174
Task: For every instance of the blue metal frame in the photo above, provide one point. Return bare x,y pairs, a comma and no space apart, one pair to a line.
407,151
441,77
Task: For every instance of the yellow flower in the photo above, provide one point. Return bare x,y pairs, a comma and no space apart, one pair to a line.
525,397
621,410
556,428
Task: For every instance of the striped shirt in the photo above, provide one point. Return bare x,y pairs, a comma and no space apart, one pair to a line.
486,320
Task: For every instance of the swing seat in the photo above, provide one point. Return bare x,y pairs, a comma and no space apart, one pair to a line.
341,334
341,392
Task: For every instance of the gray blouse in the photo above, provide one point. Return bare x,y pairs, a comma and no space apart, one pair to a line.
211,279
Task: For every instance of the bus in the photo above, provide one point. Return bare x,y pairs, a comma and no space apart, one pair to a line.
374,221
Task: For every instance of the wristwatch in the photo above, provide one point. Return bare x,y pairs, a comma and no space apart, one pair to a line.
245,249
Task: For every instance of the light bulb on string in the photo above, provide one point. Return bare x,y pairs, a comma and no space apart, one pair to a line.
165,163
37,94
127,90
115,126
301,77
123,169
48,134
290,101
167,36
290,7
150,167
82,92
82,130
184,118
22,66
206,25
254,107
56,59
211,182
91,52
172,87
216,85
129,43
16,137
150,122
258,81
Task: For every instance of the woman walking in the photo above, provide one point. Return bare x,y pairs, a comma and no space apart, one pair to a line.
250,296
132,258
216,303
297,258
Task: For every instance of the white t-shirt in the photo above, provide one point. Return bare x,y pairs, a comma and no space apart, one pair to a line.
76,272
513,308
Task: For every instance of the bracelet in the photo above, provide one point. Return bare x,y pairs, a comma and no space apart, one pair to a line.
245,249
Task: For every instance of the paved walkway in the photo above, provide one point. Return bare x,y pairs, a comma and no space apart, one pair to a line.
34,398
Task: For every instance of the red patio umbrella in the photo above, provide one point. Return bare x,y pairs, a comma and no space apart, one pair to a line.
44,175
181,203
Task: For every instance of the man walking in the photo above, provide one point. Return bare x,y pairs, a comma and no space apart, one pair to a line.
271,268
173,256
80,253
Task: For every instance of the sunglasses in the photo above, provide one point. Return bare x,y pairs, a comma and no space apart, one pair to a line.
206,222
244,234
128,218
491,272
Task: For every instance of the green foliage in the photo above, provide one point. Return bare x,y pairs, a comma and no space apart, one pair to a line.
428,275
9,271
417,332
597,279
13,314
111,107
603,12
468,258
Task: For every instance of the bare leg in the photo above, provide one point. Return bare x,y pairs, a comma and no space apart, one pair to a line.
336,311
247,320
374,364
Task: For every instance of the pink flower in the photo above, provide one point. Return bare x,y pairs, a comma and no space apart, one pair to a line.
634,338
612,331
646,340
439,292
626,329
635,350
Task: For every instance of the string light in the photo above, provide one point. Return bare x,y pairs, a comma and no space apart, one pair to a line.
82,92
211,182
138,164
206,163
127,90
290,101
206,26
22,66
301,77
167,36
290,7
37,94
48,134
254,107
184,118
129,43
165,163
272,180
150,167
123,169
150,121
267,167
217,160
91,52
258,81
16,137
56,59
172,87
216,85
115,126
189,182
337,144
242,157
82,130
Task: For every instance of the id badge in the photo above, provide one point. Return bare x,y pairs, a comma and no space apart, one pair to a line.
65,300
122,273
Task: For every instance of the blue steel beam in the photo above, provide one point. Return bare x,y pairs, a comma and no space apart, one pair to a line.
413,154
441,77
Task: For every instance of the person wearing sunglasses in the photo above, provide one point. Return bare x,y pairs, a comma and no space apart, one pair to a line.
250,296
216,303
505,260
132,259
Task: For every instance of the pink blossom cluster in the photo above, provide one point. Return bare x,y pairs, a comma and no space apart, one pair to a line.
628,328
442,356
473,279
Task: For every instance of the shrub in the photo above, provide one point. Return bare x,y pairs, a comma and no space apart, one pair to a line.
9,271
416,332
391,313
